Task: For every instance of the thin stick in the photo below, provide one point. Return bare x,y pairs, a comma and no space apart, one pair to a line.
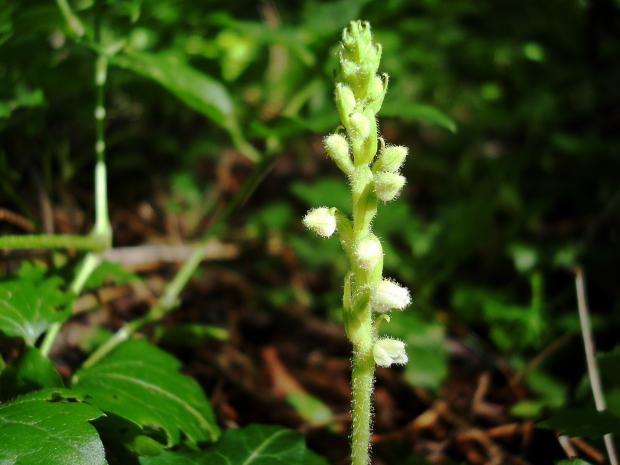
595,379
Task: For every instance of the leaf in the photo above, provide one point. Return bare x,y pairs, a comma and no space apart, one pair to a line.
198,90
31,372
140,382
28,308
33,431
573,461
410,111
252,445
582,422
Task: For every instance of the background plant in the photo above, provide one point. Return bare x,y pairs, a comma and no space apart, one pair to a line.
494,211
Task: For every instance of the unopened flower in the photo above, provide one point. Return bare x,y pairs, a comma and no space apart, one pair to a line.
361,125
391,158
388,185
337,147
387,295
389,351
368,252
321,220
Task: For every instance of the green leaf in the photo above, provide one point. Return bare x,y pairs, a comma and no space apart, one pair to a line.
33,431
140,382
28,308
198,90
252,445
31,372
411,111
582,422
574,461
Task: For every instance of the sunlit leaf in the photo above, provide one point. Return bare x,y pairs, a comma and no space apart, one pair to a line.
141,383
28,308
198,90
252,445
33,431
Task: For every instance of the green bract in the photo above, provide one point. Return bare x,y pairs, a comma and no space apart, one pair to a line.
359,94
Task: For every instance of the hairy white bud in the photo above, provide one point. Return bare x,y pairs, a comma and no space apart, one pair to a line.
361,125
392,158
368,252
337,147
387,295
389,351
388,185
321,220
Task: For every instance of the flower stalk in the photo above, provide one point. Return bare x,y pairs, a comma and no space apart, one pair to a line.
372,170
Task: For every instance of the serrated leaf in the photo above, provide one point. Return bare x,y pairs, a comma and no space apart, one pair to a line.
252,445
198,90
28,308
582,422
33,431
31,372
411,111
141,383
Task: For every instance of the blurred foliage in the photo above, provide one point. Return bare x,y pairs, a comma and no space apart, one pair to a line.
511,110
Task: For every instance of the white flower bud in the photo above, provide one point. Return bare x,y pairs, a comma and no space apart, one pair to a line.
361,125
320,220
388,295
389,351
345,101
337,147
392,158
388,185
368,252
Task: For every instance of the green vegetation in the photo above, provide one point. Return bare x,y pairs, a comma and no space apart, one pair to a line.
130,129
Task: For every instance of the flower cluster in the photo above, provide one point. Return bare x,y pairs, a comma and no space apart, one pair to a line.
373,170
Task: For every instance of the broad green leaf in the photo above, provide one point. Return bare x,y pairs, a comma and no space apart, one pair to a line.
582,422
410,111
28,308
31,372
252,445
198,90
574,461
141,383
33,431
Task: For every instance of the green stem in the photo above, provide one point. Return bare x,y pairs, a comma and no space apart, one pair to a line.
55,241
362,380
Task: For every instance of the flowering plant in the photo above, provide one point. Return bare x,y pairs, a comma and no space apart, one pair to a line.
368,297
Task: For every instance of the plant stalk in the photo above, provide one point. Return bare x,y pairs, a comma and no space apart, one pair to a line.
588,341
